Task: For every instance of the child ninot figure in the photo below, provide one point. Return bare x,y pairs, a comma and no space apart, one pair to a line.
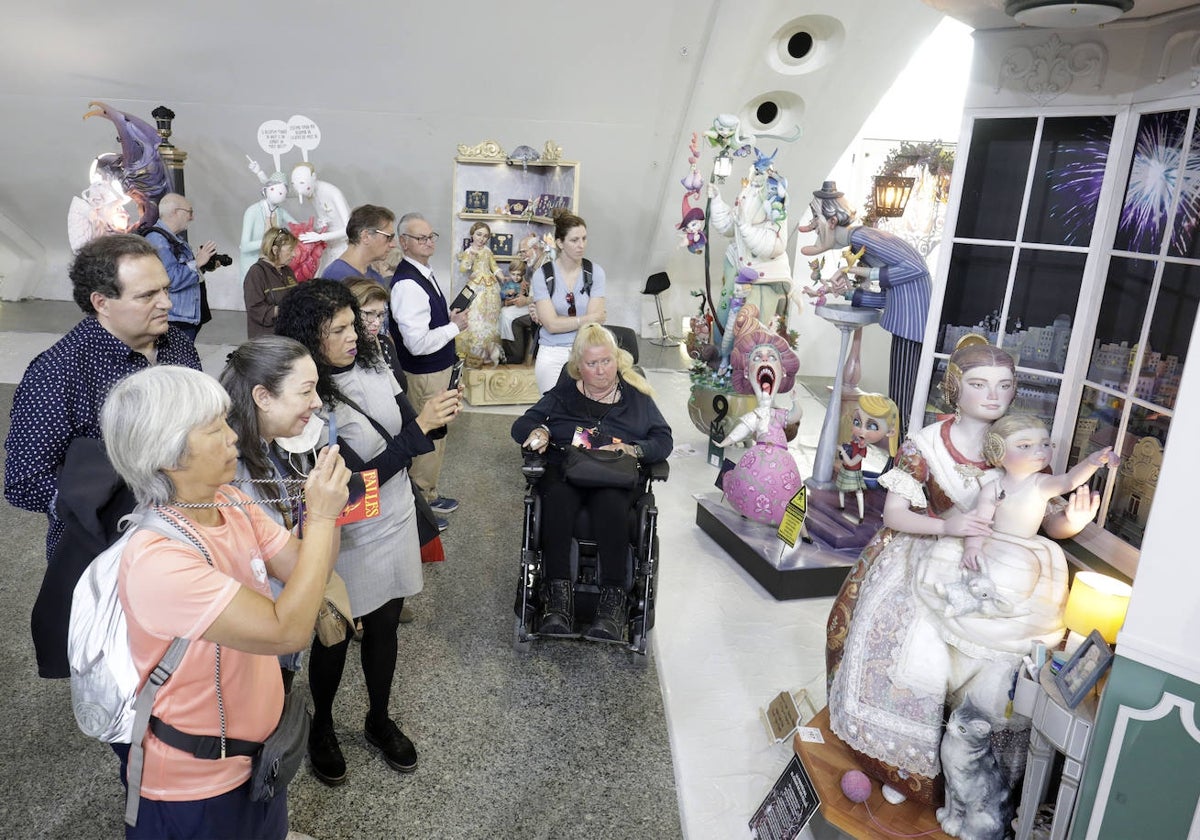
1016,500
875,420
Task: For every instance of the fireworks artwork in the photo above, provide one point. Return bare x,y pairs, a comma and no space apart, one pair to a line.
1075,186
1153,178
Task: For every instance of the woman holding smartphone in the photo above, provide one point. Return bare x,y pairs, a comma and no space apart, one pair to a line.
380,557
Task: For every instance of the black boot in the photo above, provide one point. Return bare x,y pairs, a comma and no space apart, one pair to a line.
558,612
611,614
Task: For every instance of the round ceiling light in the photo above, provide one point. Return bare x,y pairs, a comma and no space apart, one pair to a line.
1063,14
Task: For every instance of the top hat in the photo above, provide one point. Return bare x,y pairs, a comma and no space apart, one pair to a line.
828,190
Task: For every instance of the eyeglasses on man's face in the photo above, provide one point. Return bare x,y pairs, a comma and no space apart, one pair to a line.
427,239
388,236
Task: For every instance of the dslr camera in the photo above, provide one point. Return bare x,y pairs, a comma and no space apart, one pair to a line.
216,261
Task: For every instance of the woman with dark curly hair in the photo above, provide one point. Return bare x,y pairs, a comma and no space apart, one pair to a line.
380,558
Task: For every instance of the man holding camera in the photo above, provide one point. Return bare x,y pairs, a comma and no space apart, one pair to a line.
189,298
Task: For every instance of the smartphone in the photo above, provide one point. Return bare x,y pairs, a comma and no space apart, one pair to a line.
464,299
455,375
332,421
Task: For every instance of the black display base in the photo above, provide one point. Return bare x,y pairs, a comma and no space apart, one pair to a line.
813,570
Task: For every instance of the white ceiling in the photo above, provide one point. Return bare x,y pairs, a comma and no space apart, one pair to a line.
989,14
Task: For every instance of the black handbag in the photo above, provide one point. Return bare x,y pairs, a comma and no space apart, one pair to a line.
283,751
600,468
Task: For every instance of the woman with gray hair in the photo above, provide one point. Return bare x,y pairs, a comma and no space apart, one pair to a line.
166,434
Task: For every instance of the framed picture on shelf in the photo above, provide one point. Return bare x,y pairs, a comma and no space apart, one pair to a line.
517,206
547,203
477,202
1084,669
501,244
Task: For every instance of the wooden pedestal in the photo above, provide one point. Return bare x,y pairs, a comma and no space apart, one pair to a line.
503,385
826,763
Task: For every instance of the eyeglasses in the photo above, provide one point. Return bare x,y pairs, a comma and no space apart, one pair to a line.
571,304
187,210
373,315
388,236
424,240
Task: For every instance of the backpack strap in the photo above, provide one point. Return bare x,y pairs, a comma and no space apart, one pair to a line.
178,249
141,708
548,273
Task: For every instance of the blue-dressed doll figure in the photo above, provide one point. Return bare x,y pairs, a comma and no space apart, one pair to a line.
766,478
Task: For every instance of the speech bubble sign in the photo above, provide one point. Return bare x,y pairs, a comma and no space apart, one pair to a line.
274,140
303,133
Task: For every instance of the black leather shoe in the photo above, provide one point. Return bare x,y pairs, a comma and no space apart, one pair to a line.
611,615
397,750
558,614
325,757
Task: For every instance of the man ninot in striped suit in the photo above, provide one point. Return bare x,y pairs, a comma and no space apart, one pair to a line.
904,285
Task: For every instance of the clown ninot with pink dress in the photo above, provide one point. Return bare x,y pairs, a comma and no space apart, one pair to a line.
766,477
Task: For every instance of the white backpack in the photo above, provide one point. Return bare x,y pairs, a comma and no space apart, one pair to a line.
104,681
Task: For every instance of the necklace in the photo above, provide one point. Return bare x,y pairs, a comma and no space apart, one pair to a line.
608,396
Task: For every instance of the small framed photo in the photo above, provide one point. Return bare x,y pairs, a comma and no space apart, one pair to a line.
477,201
1079,675
517,206
501,244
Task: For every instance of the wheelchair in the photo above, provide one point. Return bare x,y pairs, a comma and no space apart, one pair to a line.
641,561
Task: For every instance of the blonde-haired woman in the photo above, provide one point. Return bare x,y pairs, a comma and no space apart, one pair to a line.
604,404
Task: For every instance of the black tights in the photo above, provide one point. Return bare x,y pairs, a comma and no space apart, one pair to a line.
378,653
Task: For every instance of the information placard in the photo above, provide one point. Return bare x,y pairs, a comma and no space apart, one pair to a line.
788,807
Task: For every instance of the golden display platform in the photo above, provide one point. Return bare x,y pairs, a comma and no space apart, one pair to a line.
503,385
827,763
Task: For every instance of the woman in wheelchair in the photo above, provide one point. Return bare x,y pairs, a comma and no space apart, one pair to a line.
599,402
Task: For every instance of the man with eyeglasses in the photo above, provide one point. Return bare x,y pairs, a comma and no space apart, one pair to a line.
517,321
424,329
371,232
120,284
189,297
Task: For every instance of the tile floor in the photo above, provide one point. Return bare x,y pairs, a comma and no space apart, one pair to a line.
723,646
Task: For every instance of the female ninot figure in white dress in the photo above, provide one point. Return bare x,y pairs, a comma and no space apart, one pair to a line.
892,662
480,344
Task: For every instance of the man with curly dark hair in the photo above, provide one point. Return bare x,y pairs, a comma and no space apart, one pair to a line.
121,286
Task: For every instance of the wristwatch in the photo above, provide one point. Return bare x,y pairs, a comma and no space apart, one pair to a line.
638,452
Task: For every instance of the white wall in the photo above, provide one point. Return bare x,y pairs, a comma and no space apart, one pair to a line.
620,85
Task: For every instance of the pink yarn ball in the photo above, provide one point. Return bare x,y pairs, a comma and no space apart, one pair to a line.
856,785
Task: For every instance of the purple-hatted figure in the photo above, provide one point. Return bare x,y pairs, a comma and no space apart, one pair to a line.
904,285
